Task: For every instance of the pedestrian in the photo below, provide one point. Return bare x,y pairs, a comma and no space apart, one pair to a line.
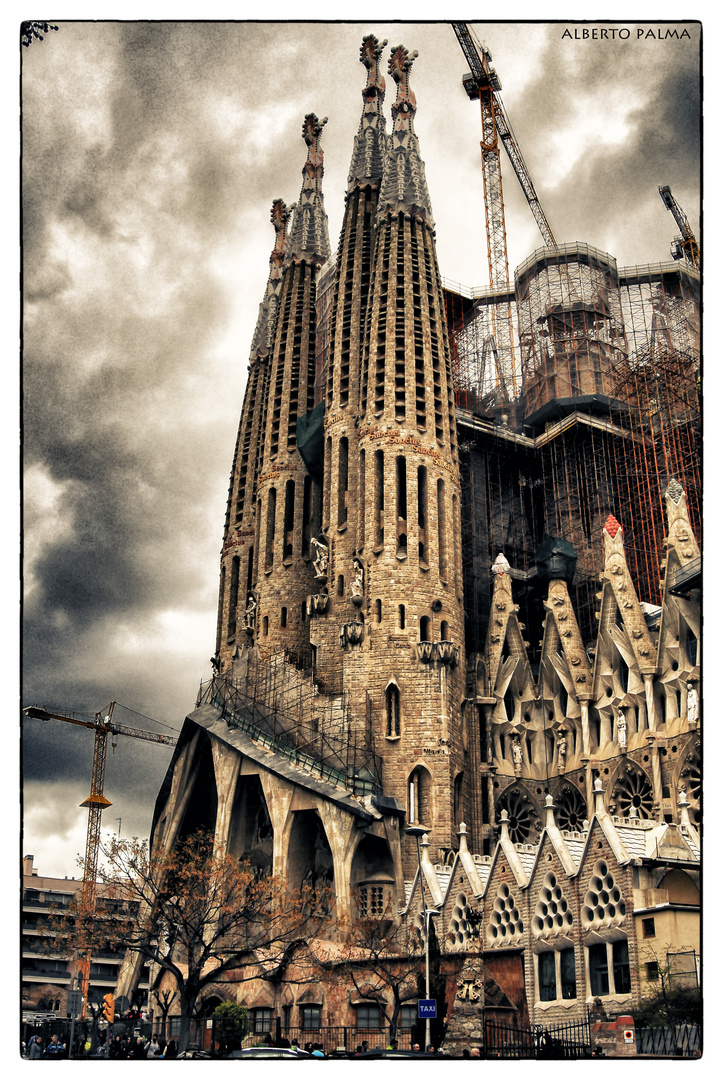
35,1048
392,1044
430,1049
416,1047
171,1050
318,1050
54,1049
153,1049
474,1052
295,1046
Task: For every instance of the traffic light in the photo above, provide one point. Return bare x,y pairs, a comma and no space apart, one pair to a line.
108,1008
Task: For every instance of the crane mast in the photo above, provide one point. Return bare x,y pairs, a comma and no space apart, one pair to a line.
96,802
482,83
684,246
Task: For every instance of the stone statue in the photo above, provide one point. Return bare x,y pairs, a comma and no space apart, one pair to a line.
561,750
622,726
357,585
517,754
250,613
692,704
321,557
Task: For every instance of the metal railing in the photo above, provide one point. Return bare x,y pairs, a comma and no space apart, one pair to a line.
307,729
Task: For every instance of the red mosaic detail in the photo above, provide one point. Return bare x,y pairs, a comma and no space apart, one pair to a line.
612,526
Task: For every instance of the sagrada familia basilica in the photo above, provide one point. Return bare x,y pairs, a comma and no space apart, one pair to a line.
412,633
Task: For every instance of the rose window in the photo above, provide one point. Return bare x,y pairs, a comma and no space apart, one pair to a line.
570,811
520,814
633,795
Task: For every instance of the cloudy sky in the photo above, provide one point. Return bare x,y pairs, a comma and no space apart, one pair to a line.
151,155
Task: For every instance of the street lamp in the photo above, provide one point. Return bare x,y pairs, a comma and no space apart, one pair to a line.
429,913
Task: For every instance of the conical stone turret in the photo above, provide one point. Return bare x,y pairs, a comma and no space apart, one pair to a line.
288,497
237,600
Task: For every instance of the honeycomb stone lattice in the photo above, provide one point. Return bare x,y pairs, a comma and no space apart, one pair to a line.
505,923
603,906
552,915
460,932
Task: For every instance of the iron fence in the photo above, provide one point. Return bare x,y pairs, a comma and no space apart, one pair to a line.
566,1041
677,1040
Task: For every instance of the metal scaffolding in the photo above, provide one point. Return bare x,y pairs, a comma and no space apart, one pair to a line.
608,412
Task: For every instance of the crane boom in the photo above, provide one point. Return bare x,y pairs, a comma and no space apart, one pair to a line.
685,246
96,803
484,76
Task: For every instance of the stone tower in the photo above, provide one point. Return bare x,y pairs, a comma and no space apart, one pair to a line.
237,597
287,508
403,657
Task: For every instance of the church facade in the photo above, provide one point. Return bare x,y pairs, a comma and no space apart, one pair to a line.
354,690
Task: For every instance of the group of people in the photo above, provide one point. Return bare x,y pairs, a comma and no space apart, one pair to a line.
54,1048
142,1049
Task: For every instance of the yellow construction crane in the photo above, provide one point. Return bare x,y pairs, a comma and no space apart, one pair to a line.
684,246
103,726
482,83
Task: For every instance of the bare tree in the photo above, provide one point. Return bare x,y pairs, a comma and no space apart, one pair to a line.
194,913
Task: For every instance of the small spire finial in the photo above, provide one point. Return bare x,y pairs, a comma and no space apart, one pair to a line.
309,239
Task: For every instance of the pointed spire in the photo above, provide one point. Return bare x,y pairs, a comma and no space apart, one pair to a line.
462,834
404,187
599,796
263,338
309,241
549,812
500,565
370,142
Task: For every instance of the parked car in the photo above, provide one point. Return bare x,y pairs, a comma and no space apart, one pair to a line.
278,1052
194,1053
379,1053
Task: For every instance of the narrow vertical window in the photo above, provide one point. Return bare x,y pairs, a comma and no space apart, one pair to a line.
546,976
444,631
422,514
270,528
340,585
441,530
424,628
401,485
379,498
326,508
362,499
283,616
343,482
568,986
265,625
412,799
233,596
598,966
289,519
378,606
393,722
402,617
306,519
621,967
